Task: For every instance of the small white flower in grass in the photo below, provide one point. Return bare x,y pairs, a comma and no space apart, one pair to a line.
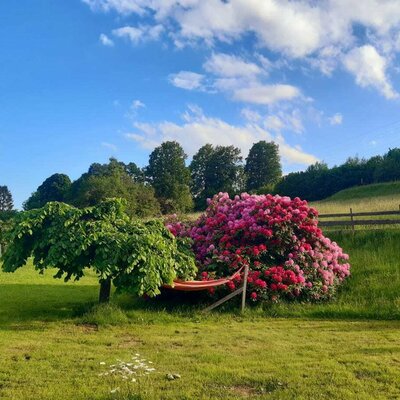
102,363
114,390
129,371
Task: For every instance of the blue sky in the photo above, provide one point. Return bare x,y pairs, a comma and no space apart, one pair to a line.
83,80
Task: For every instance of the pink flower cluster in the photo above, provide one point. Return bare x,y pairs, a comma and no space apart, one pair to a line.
277,237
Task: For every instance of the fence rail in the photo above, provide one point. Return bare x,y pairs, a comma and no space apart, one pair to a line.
354,222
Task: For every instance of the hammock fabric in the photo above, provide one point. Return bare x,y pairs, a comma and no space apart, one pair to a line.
193,286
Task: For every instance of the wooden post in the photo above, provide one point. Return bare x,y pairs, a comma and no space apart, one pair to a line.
352,219
224,299
242,290
246,273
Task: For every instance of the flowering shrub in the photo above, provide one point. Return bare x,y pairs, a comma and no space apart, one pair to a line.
277,237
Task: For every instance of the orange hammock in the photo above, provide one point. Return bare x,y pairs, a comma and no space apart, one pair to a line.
192,286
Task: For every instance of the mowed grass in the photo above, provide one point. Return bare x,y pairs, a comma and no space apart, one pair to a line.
348,348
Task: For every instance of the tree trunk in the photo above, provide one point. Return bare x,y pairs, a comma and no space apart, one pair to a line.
105,290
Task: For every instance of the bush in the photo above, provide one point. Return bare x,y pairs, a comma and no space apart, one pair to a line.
279,238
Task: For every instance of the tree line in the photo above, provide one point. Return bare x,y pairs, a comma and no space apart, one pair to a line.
319,181
167,184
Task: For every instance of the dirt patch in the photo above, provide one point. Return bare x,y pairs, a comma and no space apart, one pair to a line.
88,328
128,342
244,391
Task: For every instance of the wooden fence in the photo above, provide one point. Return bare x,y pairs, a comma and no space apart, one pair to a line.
353,221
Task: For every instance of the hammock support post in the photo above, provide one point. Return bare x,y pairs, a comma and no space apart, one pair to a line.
246,274
238,291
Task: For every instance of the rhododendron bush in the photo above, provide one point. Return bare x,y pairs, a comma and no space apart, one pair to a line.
277,237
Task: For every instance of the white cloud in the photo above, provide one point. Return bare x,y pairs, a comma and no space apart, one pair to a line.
109,146
296,28
238,78
336,119
290,120
250,115
137,104
369,69
198,129
187,80
266,94
326,60
230,66
134,108
274,123
294,121
121,6
105,40
317,32
247,89
139,34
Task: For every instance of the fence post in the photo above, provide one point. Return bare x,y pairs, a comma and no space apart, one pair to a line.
352,219
246,273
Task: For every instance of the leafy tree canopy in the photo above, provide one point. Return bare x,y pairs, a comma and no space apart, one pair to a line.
216,169
112,180
263,166
6,200
170,177
136,256
54,188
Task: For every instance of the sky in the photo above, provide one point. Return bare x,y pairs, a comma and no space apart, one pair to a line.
85,80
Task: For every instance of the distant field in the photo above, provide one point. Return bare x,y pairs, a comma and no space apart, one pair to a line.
377,197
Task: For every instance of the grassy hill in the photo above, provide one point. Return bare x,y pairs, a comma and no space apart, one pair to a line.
377,197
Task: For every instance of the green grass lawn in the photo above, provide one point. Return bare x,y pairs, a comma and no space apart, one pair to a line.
349,348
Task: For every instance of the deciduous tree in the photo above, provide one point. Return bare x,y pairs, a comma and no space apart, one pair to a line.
135,256
263,166
170,177
112,180
216,169
54,188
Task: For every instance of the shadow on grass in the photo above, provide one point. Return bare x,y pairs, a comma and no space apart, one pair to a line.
24,303
172,302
